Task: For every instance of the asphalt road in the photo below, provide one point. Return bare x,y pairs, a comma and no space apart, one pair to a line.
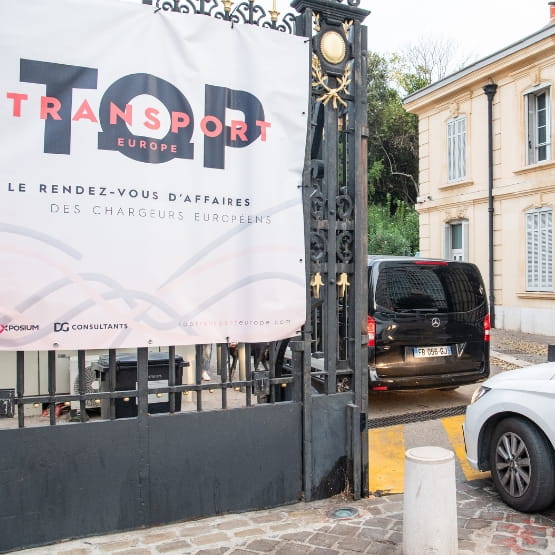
383,404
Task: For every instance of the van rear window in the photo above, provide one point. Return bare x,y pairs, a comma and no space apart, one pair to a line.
405,286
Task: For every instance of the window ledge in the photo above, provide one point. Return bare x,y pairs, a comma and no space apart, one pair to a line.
453,184
549,295
535,167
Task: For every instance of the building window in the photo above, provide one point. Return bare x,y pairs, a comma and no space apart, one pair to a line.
455,240
538,109
456,148
539,250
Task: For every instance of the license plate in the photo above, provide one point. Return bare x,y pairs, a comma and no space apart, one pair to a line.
440,351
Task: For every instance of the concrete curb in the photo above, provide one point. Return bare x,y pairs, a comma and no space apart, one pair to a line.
509,359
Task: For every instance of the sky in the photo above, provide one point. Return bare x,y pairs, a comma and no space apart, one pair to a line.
478,27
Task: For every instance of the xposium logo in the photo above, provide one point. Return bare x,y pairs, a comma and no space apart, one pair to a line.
18,327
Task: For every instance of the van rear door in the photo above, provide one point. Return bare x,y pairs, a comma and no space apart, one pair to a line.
429,318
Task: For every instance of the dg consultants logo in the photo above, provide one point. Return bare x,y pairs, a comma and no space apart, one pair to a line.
66,326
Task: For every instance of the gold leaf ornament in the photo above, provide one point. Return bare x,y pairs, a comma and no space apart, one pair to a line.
319,79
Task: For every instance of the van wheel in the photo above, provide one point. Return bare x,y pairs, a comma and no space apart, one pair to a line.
522,465
450,388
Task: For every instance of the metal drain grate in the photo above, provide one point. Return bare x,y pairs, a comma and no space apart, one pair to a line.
343,513
410,417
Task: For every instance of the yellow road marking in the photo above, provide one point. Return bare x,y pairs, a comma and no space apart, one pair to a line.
453,427
386,456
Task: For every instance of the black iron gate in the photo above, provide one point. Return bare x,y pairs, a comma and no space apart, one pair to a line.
147,440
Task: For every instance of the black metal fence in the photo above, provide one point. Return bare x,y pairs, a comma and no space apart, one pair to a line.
120,384
157,447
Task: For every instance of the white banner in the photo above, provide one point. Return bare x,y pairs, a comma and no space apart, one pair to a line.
150,177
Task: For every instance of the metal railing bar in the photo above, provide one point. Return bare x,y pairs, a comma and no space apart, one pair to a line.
81,387
52,385
68,397
20,385
171,377
198,375
272,352
225,369
112,381
248,375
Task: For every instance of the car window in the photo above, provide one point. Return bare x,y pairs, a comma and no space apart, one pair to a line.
407,286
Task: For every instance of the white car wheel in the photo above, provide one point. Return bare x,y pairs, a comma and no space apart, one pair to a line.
522,465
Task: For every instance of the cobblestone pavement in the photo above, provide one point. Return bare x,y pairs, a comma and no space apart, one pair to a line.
485,524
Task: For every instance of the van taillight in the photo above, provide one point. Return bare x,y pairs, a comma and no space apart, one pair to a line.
371,332
487,328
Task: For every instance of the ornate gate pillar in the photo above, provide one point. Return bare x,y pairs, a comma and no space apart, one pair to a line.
336,232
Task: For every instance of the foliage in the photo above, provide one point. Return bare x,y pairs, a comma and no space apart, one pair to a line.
393,132
392,228
392,139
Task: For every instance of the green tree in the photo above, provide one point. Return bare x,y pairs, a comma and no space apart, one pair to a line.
392,228
393,133
392,138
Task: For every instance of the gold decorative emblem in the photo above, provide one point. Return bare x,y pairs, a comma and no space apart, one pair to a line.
333,47
331,93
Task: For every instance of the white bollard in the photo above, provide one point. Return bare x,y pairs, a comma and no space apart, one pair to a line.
430,502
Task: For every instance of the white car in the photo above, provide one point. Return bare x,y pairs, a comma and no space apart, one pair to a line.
509,429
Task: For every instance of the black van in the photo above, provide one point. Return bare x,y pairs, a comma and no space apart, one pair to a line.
428,324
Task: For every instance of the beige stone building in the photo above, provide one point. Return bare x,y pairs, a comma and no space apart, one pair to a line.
487,176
